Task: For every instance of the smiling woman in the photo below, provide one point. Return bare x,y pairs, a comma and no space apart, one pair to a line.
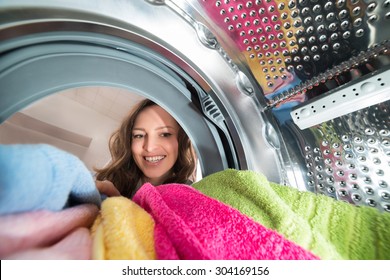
155,144
150,146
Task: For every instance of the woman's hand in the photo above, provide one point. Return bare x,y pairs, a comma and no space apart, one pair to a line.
107,188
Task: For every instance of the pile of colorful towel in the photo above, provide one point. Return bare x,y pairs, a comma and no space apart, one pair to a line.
50,209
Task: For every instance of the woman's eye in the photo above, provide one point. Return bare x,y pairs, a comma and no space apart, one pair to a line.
166,134
137,136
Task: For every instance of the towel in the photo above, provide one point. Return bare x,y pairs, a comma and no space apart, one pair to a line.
190,225
40,176
46,234
329,228
122,231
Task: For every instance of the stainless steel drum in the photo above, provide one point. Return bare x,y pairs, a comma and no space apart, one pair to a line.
295,89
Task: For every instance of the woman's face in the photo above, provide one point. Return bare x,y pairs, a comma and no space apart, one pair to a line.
155,143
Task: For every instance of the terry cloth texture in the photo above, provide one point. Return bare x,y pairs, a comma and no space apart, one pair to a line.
123,231
40,176
190,225
329,228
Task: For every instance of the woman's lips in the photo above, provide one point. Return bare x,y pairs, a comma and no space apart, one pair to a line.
154,159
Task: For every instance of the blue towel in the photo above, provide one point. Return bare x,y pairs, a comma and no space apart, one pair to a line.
40,176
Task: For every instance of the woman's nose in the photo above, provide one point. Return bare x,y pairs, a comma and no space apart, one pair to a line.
150,143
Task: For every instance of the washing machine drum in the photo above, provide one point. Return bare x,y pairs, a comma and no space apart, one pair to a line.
49,63
236,80
47,50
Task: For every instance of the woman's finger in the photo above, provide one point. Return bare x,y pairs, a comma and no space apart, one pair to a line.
106,187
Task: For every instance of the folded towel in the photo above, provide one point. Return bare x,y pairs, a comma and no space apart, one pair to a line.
40,176
123,231
33,234
329,228
190,225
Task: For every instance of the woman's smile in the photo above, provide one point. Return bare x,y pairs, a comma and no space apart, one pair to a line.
154,159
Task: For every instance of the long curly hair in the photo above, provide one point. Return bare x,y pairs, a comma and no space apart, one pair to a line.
122,170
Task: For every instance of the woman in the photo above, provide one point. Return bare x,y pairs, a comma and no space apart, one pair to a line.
150,146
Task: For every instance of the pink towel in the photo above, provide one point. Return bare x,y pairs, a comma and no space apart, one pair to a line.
190,225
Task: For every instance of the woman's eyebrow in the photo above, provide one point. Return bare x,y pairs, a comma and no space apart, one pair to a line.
162,127
157,128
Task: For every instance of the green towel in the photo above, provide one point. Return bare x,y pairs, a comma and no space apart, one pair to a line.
329,228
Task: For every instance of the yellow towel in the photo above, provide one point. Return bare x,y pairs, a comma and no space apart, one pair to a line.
123,231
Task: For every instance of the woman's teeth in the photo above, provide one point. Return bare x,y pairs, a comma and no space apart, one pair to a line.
154,159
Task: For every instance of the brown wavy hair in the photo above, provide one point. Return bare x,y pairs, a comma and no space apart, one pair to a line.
122,170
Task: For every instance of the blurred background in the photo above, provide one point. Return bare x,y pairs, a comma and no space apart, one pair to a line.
78,120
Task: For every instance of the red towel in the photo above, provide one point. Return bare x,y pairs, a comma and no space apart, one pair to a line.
190,225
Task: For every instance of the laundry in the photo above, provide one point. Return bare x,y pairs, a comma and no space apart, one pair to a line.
41,176
329,228
123,231
48,202
191,225
231,214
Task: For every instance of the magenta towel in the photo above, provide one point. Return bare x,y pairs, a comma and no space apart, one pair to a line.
191,225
